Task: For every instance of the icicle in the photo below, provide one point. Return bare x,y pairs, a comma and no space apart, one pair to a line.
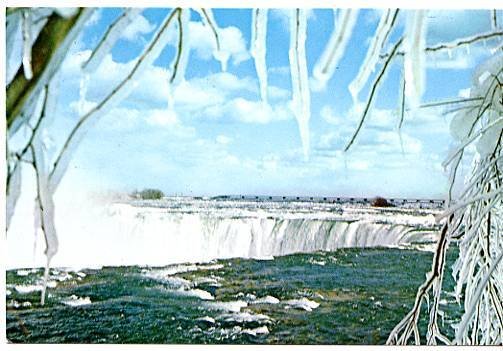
219,53
414,60
28,73
46,208
258,48
301,101
13,48
84,83
113,34
12,192
383,30
325,67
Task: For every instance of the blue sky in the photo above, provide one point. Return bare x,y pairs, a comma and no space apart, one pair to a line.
219,140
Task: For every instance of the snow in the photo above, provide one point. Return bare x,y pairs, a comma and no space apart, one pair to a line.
372,57
301,100
110,38
325,67
258,48
414,59
13,192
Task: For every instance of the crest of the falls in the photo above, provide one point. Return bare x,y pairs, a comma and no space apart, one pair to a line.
184,230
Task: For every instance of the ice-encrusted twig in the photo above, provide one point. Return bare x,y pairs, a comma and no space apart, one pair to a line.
301,100
457,43
183,48
112,34
121,91
475,299
28,72
470,140
373,91
494,19
458,206
333,52
258,48
209,20
372,57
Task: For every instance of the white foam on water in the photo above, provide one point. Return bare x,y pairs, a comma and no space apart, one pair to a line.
27,289
246,317
303,303
207,319
231,306
256,331
199,293
266,300
75,301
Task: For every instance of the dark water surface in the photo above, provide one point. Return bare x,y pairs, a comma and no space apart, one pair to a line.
350,296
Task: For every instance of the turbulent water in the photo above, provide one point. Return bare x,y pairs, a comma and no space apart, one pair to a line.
204,271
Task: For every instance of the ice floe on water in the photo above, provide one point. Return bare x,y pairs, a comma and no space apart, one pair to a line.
266,300
256,331
245,317
201,294
27,289
303,304
231,306
75,301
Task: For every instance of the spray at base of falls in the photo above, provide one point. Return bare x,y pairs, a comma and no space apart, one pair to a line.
121,234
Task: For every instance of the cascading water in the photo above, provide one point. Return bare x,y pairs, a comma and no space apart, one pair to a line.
179,231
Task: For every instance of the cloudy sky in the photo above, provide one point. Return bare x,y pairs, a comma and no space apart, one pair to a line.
220,139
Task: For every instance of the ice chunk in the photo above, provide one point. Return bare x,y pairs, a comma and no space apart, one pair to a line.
489,139
301,100
325,67
258,48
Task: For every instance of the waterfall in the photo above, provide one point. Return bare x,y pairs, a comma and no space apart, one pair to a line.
123,234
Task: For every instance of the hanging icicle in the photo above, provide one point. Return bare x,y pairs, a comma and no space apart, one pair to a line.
301,101
27,41
383,30
219,53
414,59
258,48
325,67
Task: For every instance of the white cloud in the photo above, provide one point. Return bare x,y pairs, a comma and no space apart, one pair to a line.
161,118
248,111
224,140
140,26
202,40
328,115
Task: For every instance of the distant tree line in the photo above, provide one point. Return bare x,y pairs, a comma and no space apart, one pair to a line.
148,194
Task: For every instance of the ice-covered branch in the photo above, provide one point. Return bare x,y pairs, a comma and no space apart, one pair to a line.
301,99
113,33
455,43
373,91
49,49
372,57
183,48
122,90
209,20
258,48
325,67
28,72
